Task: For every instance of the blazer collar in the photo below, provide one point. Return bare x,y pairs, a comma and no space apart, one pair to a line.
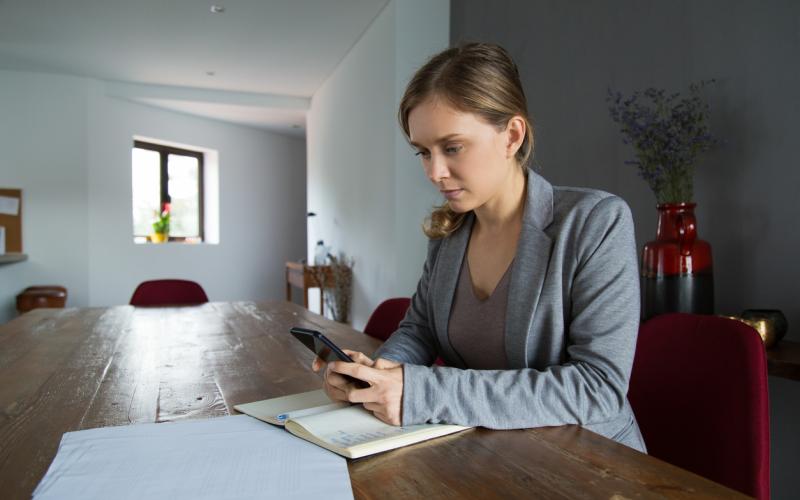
528,272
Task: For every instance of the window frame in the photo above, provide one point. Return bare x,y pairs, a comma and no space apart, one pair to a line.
164,152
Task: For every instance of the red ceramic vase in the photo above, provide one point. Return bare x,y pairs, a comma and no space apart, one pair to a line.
677,268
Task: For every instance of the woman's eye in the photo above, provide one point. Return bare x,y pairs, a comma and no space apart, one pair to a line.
451,150
423,154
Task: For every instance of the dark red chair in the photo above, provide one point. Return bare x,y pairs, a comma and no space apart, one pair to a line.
699,392
384,319
168,293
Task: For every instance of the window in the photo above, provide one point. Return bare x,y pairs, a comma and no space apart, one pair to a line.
167,177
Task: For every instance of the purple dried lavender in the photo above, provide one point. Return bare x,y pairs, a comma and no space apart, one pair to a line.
667,133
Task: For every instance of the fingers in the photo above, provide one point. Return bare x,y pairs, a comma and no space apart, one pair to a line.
334,393
317,364
359,357
335,385
383,364
366,396
335,379
355,370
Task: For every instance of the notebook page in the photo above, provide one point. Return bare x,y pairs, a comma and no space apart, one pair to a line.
270,410
353,426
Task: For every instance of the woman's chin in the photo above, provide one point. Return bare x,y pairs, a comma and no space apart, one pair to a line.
459,206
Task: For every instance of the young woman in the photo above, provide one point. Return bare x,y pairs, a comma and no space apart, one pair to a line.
530,292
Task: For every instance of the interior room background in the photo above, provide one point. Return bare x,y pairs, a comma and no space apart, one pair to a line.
66,142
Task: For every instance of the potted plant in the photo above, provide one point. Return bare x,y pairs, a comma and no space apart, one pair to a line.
667,133
161,225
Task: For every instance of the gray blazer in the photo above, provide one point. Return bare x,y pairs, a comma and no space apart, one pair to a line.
571,323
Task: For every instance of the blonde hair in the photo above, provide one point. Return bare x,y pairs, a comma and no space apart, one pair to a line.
479,78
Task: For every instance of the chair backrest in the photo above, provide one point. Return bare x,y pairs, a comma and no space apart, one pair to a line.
384,319
699,392
167,293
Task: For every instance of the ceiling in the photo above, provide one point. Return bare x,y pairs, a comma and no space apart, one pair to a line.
257,63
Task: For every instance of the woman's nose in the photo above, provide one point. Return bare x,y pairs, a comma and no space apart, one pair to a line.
437,168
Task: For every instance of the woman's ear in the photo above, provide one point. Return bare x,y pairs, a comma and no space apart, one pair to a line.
515,131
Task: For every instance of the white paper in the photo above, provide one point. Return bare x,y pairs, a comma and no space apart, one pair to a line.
227,457
9,205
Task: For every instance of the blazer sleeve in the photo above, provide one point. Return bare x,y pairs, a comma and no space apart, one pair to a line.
590,387
414,342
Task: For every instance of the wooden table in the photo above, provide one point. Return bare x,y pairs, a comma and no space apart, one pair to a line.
304,277
68,369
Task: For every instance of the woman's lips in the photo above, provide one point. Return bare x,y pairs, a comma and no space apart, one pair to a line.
452,194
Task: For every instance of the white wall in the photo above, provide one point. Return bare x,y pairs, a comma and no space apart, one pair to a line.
67,145
422,29
262,206
364,184
43,152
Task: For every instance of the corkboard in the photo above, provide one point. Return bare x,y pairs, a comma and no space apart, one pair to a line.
12,223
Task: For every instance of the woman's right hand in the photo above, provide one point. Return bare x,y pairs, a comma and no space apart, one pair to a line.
335,385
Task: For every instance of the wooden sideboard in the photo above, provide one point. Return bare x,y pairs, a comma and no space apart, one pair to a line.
783,360
304,276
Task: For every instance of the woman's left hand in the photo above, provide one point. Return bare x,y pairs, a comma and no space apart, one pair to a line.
384,397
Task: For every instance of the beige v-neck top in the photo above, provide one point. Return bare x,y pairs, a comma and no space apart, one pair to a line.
477,327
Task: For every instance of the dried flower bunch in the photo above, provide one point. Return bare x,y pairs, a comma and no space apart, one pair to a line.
338,297
667,133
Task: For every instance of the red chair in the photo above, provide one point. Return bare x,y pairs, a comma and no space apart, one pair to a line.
699,392
168,293
384,319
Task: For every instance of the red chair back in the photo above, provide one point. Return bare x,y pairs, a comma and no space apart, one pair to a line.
168,293
384,319
699,392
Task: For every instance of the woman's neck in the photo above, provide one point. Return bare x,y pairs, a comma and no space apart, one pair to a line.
504,211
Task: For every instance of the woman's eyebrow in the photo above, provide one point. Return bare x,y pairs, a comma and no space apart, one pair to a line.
439,140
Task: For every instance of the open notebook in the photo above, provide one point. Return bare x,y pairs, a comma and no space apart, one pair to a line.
349,430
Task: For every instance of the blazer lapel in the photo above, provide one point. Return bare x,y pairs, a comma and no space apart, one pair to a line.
529,269
445,280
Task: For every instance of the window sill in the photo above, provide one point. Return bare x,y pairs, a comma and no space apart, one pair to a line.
145,240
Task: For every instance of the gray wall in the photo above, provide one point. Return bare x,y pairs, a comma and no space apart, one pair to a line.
569,53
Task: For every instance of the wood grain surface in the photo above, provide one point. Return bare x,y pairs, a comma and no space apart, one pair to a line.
67,369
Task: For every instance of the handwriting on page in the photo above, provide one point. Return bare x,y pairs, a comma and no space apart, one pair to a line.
346,438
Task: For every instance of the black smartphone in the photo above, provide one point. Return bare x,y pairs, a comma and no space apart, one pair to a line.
324,347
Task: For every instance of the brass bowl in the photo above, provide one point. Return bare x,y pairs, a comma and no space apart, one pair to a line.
770,324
